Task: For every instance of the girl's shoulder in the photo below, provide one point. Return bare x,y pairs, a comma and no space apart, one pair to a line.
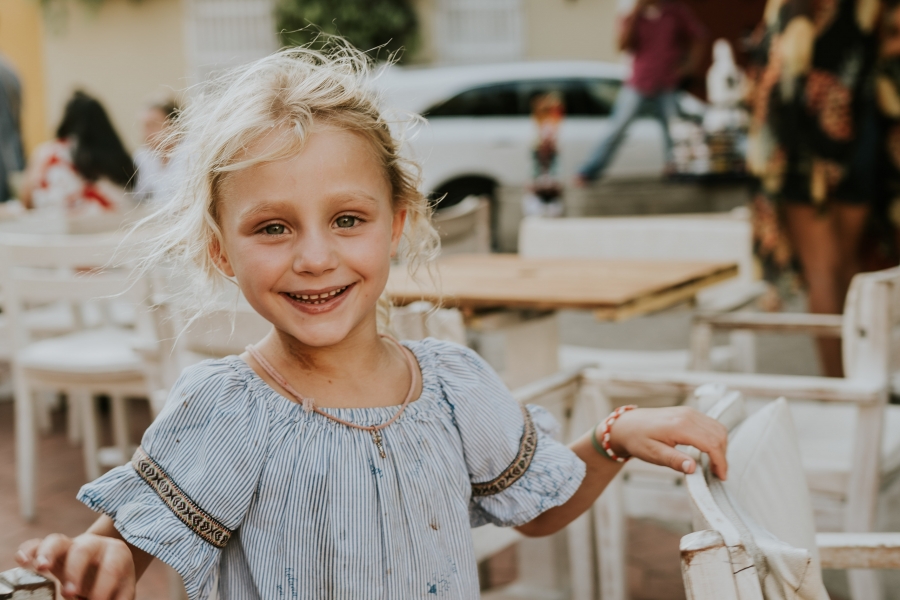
215,384
453,368
439,355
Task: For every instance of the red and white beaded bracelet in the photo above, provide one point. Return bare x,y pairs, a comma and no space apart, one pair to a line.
605,435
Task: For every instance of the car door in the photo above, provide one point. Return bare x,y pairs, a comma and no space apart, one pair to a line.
589,103
483,131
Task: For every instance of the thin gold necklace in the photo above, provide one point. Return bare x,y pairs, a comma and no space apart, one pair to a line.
309,404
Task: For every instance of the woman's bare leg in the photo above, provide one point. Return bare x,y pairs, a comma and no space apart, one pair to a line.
850,222
814,238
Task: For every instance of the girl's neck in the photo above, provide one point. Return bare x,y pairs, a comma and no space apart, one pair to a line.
360,353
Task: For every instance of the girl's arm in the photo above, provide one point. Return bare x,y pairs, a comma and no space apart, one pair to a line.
648,434
97,564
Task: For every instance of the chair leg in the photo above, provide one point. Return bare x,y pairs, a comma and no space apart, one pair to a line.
865,584
73,418
26,445
743,344
44,404
90,430
119,413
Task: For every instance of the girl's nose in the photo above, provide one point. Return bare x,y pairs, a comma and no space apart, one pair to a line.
314,254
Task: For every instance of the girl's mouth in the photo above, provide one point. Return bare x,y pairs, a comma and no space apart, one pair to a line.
313,299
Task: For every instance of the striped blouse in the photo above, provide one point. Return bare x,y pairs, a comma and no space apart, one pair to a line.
235,484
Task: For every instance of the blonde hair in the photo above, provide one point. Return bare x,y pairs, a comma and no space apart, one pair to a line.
289,91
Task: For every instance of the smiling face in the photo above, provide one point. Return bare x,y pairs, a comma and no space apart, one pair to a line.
309,238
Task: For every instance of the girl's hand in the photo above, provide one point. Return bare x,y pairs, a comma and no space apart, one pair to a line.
89,566
652,433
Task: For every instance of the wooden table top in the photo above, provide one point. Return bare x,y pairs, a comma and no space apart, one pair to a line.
613,289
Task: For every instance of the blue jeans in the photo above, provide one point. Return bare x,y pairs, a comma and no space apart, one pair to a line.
628,104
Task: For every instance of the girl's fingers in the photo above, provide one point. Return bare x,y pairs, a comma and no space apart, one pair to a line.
115,579
27,553
667,456
51,554
707,435
81,566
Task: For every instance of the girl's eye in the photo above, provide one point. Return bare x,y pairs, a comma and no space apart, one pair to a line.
346,221
274,229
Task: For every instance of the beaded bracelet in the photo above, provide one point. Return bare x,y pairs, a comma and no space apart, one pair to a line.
603,446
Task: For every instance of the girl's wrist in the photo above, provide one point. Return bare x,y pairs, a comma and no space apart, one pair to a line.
601,436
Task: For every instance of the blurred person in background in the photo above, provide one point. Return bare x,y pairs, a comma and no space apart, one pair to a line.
888,97
544,197
12,157
813,142
155,160
86,169
666,42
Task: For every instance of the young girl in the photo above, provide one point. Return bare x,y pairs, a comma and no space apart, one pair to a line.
328,461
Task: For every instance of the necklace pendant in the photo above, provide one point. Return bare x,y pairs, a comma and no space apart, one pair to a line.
376,437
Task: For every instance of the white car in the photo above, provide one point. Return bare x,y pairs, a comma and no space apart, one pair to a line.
478,132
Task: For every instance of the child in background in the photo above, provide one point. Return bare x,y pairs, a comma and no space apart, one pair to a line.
545,194
156,161
329,460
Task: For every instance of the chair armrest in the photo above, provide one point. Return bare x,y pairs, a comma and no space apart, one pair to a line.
551,383
859,550
819,325
660,383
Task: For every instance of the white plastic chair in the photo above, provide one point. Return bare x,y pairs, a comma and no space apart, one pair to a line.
38,270
755,536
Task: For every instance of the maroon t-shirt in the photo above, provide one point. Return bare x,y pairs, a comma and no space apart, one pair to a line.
662,34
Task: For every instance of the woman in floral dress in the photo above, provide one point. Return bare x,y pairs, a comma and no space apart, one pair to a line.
811,130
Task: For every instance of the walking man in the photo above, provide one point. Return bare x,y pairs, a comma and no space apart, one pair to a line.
666,41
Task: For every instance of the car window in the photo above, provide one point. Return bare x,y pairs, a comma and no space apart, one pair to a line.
498,100
583,97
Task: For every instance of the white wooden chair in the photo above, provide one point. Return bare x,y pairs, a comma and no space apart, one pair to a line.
849,436
100,360
707,324
464,227
754,534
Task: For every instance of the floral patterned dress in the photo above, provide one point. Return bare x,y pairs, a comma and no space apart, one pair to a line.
811,100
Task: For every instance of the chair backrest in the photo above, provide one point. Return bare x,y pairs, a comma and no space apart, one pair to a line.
75,269
755,535
713,237
465,227
420,320
871,325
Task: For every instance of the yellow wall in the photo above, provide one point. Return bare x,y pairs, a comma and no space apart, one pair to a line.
124,53
20,42
553,29
570,29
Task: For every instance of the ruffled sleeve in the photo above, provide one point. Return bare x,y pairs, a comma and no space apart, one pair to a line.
194,477
517,469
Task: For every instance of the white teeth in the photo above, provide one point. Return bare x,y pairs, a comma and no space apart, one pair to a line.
317,298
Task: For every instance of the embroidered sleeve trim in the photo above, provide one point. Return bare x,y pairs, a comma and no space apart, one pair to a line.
517,468
197,520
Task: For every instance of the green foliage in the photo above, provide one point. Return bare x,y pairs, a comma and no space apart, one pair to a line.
366,24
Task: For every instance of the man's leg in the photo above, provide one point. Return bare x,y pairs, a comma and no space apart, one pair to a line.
628,103
666,109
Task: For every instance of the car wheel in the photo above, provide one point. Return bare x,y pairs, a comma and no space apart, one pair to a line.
455,191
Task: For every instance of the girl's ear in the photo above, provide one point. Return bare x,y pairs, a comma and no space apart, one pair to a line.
218,256
397,230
